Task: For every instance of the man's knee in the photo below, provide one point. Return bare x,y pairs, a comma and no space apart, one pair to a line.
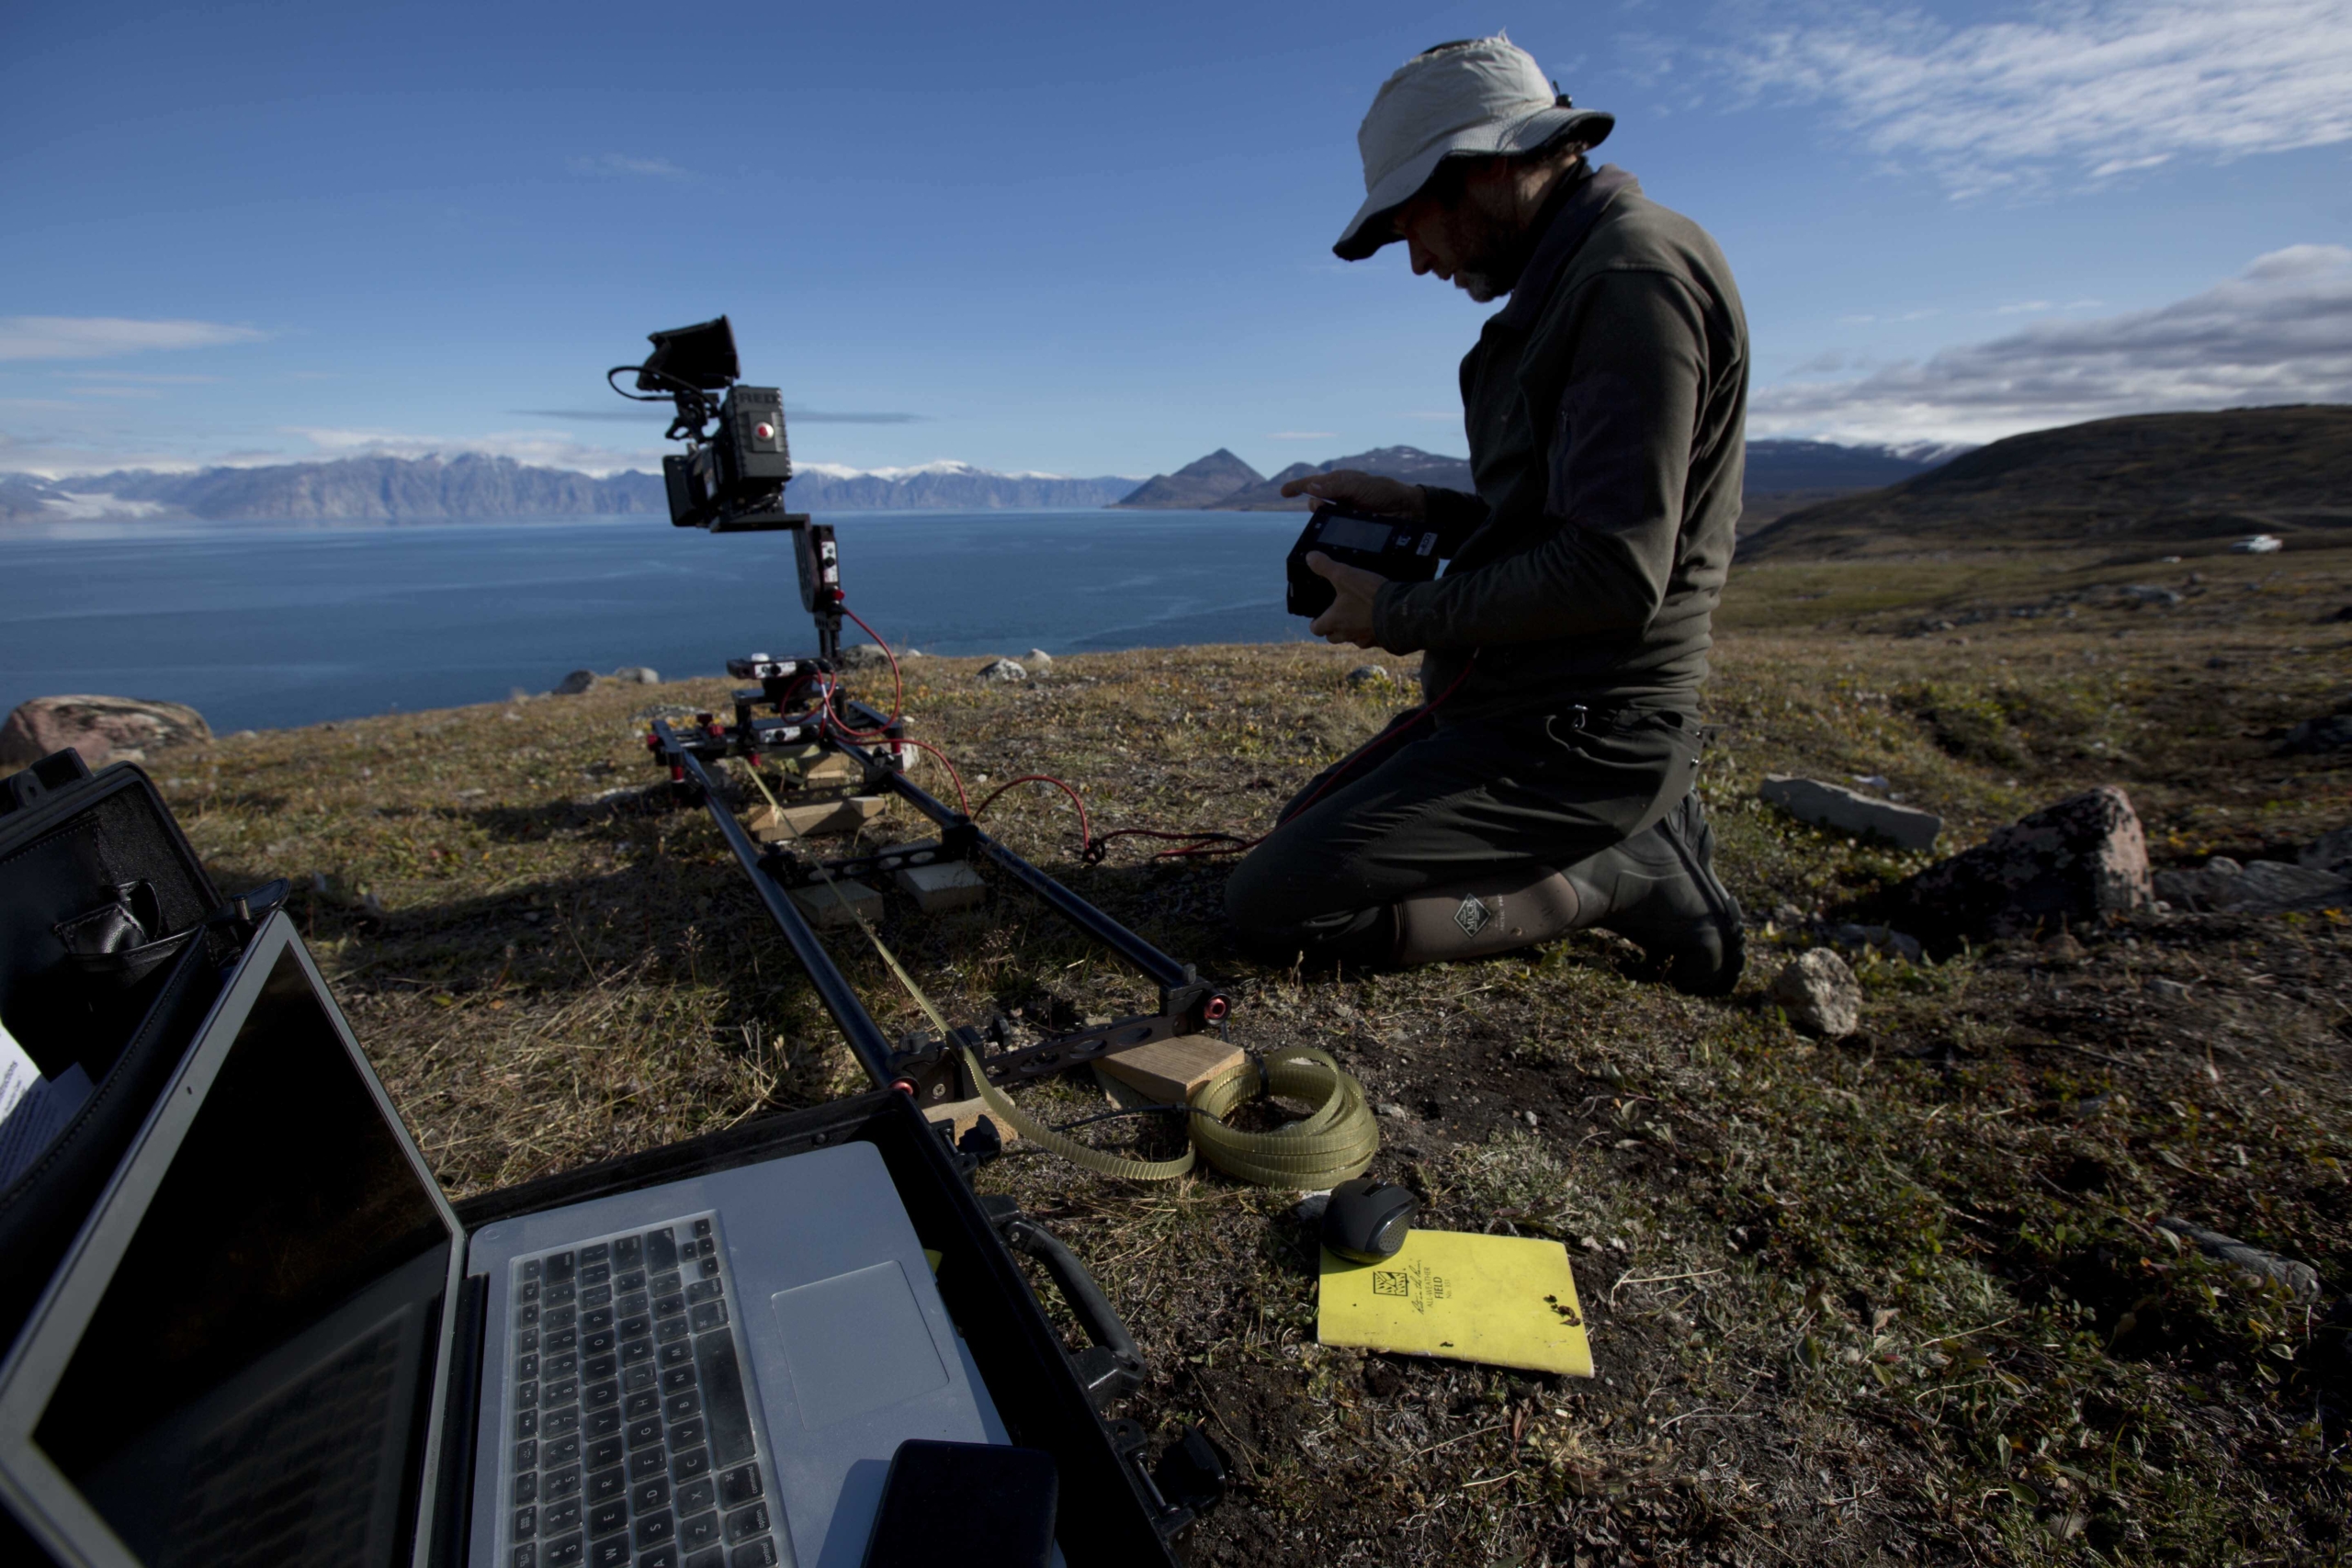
1280,909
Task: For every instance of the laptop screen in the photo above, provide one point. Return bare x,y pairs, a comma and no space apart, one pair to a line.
253,1384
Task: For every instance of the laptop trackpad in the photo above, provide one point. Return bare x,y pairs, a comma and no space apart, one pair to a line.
857,1342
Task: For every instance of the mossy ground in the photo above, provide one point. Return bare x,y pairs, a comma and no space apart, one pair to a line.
1896,1297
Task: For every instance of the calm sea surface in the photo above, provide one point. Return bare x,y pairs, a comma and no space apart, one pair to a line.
264,625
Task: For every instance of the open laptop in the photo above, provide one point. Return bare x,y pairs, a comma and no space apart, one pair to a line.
248,1357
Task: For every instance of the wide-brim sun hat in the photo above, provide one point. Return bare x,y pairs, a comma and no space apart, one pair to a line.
1480,97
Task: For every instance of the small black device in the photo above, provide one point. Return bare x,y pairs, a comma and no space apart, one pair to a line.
731,480
1366,1221
976,1504
1400,550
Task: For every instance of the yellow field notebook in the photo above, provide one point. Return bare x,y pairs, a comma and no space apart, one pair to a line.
1504,1301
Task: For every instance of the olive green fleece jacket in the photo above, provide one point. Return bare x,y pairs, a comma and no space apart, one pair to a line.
1605,406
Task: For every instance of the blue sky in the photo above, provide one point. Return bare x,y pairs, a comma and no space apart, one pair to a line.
1095,240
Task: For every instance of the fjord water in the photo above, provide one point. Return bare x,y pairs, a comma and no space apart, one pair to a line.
266,624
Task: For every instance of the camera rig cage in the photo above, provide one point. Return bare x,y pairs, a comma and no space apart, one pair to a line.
731,480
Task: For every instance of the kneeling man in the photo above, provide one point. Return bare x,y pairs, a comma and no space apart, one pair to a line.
1547,781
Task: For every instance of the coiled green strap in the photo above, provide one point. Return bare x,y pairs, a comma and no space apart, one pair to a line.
1332,1143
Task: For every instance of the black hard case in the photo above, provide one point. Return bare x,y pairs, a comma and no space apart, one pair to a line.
1107,1507
71,841
75,845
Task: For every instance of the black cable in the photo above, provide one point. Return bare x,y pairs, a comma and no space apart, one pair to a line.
678,384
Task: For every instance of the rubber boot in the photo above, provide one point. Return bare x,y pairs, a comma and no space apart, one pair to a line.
1658,890
1494,915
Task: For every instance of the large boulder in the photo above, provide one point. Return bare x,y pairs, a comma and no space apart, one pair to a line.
1003,670
103,730
2081,860
2331,851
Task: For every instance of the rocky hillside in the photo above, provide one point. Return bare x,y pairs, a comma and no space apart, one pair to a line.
2178,479
1202,482
1408,463
381,490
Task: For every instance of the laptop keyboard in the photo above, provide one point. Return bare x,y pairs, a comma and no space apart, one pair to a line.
631,1438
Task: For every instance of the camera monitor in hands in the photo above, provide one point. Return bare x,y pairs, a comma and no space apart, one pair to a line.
1396,549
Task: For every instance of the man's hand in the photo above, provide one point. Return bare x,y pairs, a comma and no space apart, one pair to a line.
1365,492
1350,617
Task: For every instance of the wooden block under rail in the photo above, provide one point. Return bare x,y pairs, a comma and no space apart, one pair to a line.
961,1113
838,903
1167,1071
941,885
815,819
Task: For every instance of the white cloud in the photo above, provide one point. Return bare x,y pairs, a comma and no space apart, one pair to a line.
2281,332
134,377
622,164
101,337
2075,91
545,448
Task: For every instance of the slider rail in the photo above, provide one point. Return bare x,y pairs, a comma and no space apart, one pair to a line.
1162,970
866,1041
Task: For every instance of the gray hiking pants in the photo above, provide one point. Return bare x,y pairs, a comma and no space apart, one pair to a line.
1422,808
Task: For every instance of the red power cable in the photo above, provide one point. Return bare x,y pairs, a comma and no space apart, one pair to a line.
1085,833
962,801
898,680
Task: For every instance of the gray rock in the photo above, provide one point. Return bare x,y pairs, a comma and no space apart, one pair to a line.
862,656
1845,811
1003,670
2332,733
103,730
1370,675
2259,887
573,684
2331,851
2301,1279
2080,860
636,675
2148,594
1820,993
1039,661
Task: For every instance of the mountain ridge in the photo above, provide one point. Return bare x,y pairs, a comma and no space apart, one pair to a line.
1194,487
472,487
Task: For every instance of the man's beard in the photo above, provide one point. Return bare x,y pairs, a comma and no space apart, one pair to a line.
1497,255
